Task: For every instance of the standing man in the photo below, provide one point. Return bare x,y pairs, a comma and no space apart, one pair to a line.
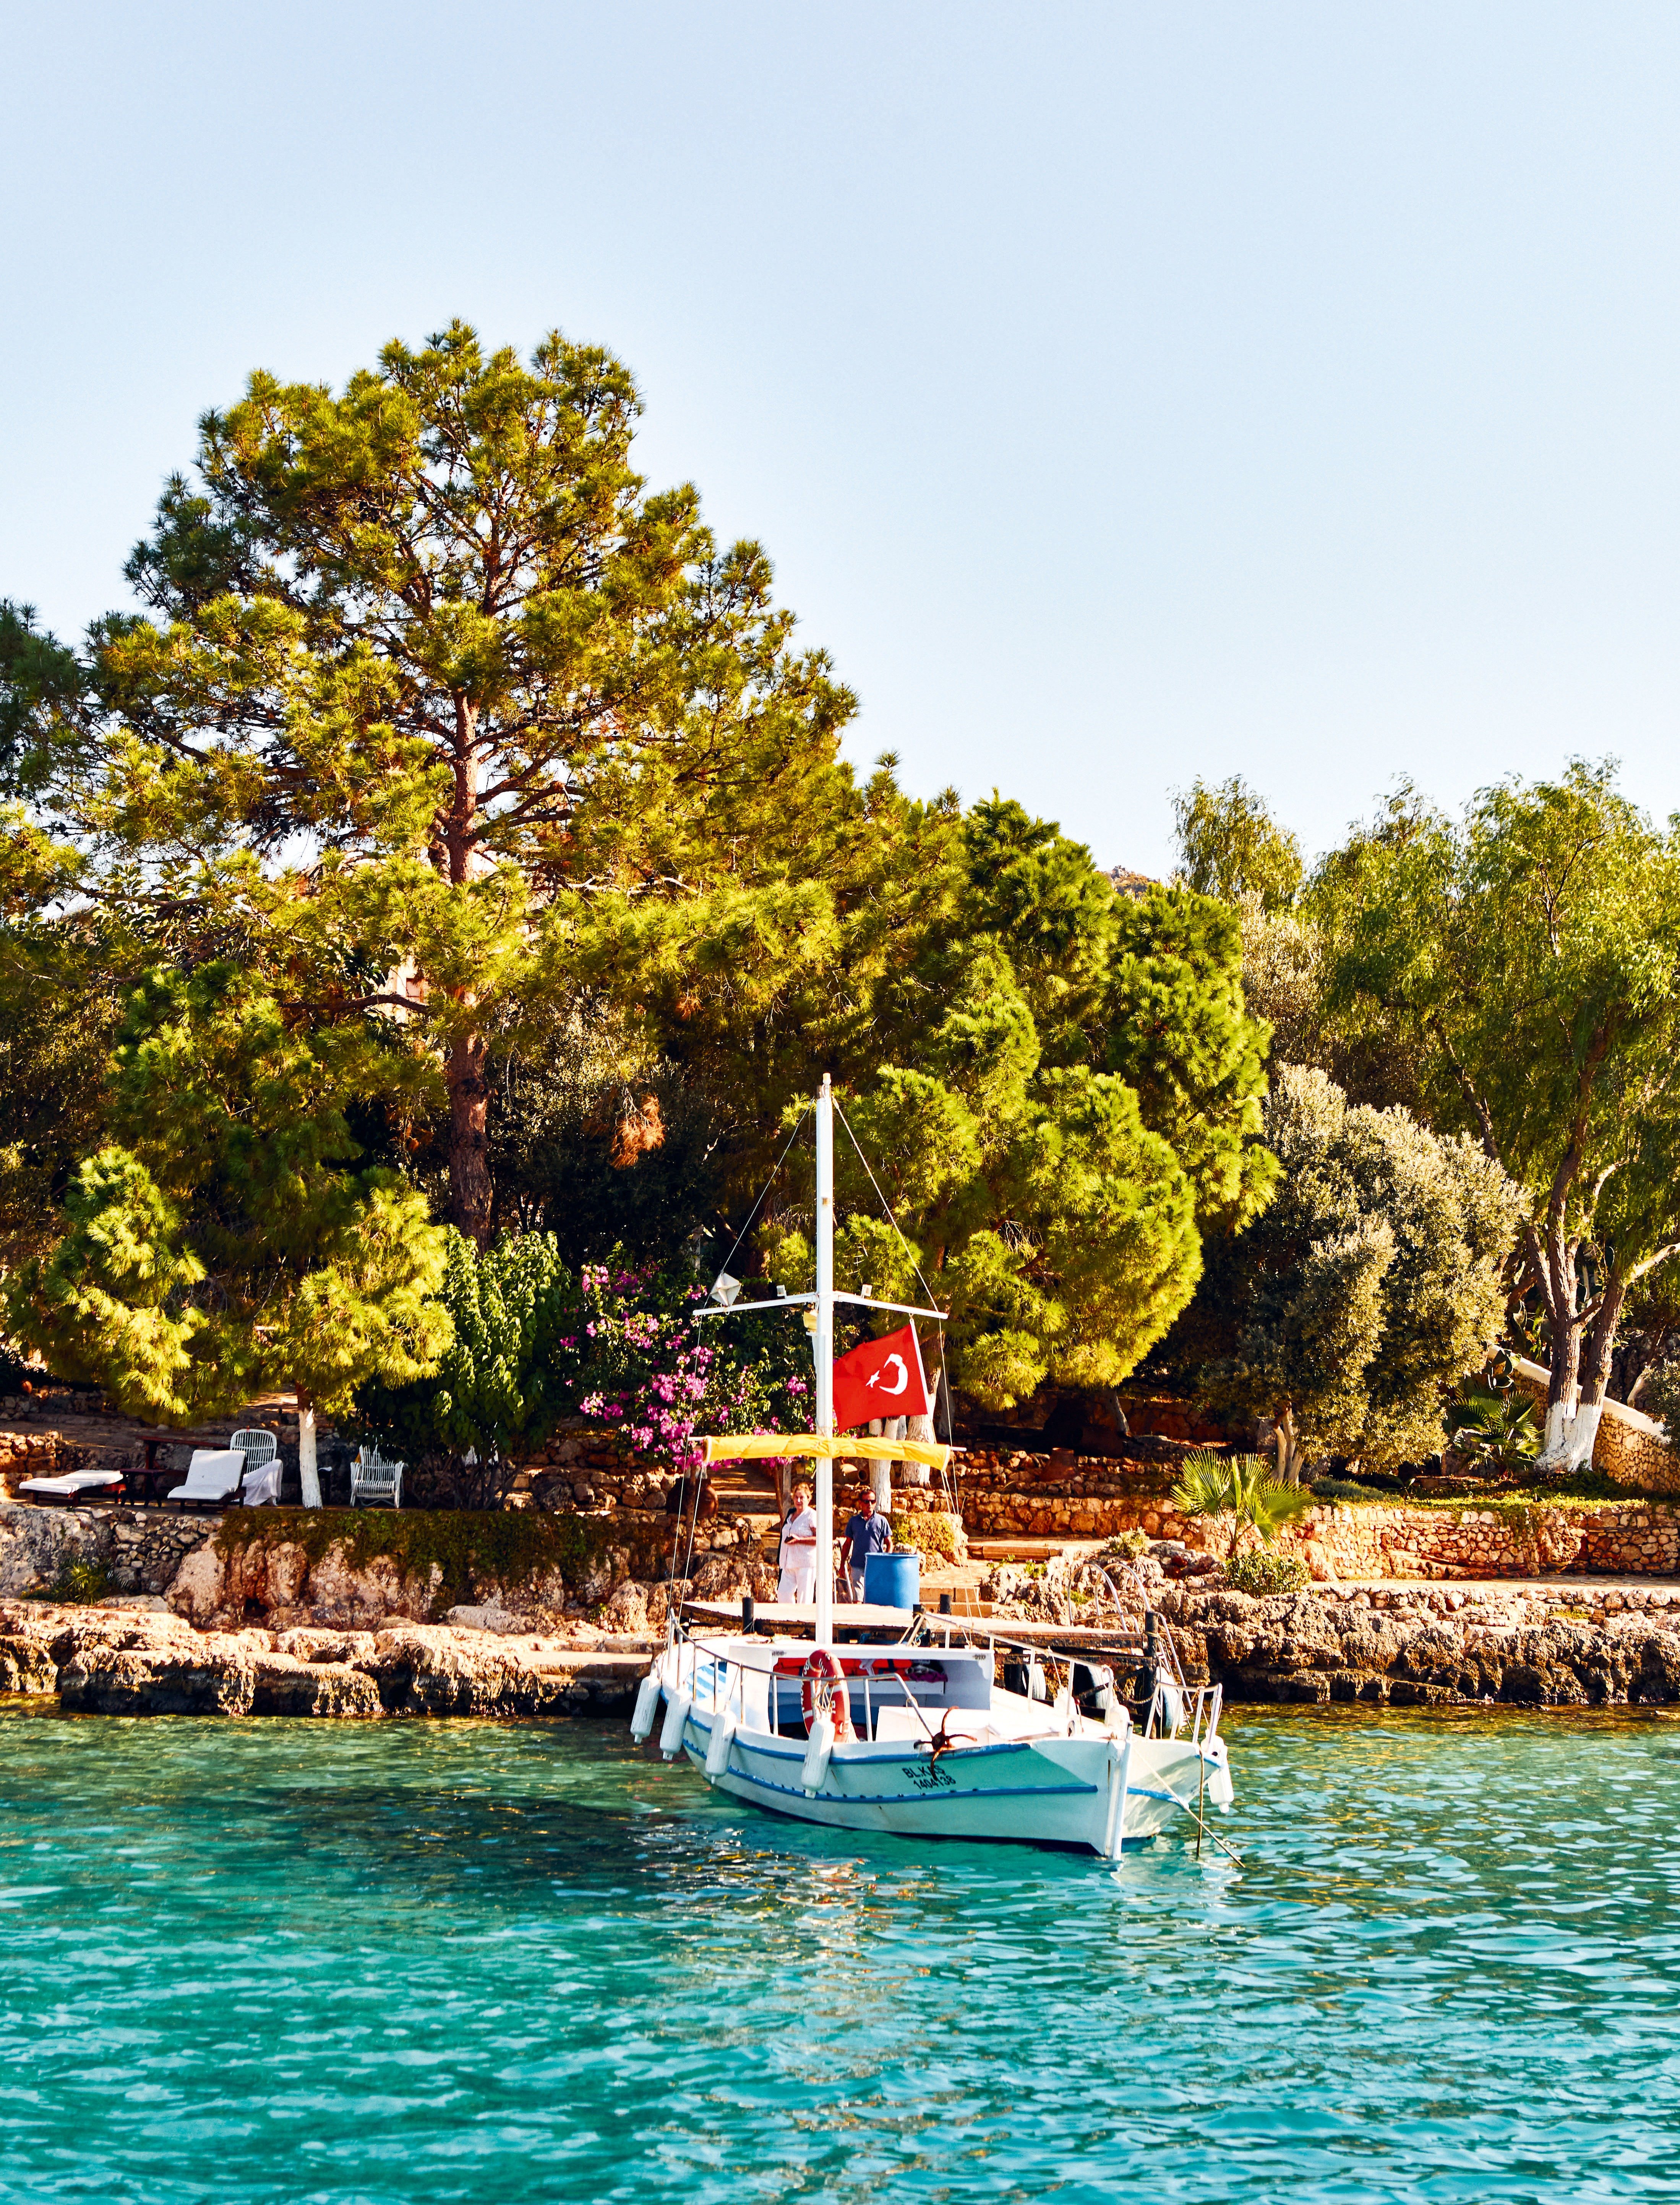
798,1549
868,1533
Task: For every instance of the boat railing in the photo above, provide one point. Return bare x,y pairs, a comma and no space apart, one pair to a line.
1199,1705
729,1661
1175,1708
1192,1712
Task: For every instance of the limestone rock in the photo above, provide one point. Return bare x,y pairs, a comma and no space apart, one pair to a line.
435,1671
307,1644
111,1681
288,1687
26,1665
1427,1648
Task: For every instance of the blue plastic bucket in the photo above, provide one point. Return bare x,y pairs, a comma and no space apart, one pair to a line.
892,1580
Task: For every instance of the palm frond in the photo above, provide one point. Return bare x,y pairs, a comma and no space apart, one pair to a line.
1240,1489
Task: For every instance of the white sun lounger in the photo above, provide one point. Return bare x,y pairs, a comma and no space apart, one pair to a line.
72,1486
212,1476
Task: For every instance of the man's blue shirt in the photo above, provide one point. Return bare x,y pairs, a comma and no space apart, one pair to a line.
866,1535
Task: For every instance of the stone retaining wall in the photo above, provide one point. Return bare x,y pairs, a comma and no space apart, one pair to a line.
142,1549
1636,1538
1033,1497
1630,1456
1630,1448
32,1455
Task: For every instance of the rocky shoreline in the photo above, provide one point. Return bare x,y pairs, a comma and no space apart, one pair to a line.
141,1659
1527,1646
1428,1646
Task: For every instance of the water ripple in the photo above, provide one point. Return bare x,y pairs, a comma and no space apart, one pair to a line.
342,1965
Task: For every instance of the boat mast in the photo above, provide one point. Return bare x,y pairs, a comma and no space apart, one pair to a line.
824,1341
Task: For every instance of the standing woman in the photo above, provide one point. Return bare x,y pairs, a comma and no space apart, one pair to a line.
798,1549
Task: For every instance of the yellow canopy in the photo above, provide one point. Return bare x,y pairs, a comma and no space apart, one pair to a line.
851,1446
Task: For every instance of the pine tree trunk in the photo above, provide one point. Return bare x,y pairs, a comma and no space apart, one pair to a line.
471,1194
1559,1452
470,1190
880,1473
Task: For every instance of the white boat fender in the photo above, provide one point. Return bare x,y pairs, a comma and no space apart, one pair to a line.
818,1750
723,1738
1220,1789
647,1706
1036,1679
677,1706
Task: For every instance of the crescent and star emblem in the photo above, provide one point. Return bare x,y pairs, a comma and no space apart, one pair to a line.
875,1377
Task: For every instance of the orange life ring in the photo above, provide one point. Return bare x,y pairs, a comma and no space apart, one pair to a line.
822,1688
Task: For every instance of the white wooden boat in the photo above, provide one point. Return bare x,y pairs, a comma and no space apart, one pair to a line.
931,1744
918,1737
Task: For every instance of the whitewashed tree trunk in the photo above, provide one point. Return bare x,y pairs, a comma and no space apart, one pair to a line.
913,1428
880,1473
1569,1440
1292,1454
308,1474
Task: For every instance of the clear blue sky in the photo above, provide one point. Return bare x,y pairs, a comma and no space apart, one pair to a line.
1124,393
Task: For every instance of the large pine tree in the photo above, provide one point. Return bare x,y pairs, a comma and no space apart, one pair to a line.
424,669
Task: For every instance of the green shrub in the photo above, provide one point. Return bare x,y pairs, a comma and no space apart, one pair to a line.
926,1530
1659,1396
1125,1547
1264,1570
1348,1489
80,1582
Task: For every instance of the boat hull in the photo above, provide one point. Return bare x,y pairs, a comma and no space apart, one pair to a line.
1094,1793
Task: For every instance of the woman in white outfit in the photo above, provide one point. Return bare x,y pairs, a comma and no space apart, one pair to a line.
798,1549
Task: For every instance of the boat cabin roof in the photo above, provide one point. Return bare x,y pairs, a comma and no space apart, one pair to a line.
797,1619
786,1657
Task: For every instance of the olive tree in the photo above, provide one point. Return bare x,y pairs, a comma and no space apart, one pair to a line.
1530,953
1373,1280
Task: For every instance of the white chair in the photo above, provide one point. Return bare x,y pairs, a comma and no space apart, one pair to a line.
260,1487
373,1478
212,1477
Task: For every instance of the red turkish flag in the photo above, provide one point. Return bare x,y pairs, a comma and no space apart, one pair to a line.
882,1378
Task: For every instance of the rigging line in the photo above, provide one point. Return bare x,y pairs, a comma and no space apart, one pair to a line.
768,1185
887,1206
697,1478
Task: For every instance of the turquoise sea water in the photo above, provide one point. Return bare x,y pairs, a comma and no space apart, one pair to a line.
329,1962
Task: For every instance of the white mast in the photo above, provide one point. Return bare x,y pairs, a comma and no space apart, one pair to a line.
825,1362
